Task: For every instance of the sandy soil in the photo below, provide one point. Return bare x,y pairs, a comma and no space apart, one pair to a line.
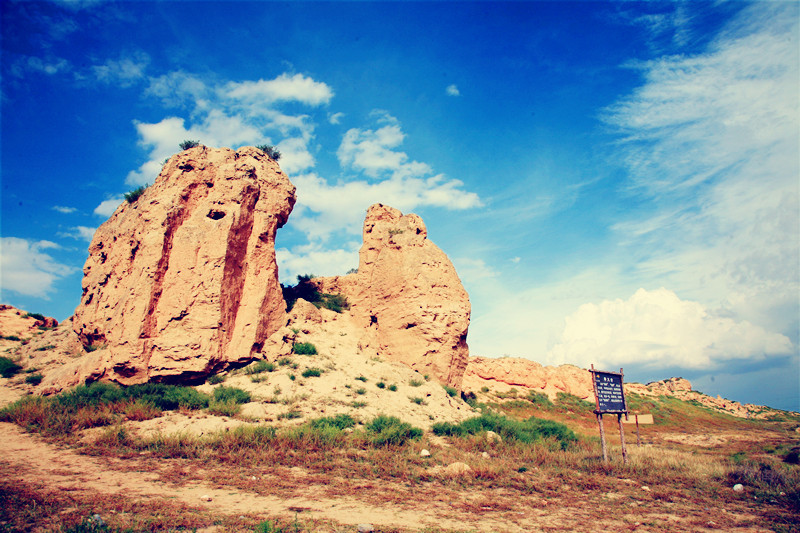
559,506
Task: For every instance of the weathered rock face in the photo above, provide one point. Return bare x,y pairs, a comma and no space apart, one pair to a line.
406,298
512,372
183,281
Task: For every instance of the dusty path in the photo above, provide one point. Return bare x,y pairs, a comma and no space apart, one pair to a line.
31,459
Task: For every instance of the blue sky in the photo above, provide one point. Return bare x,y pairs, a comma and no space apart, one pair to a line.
616,183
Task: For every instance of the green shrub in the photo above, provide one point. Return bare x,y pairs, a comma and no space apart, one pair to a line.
45,348
393,387
168,397
573,403
289,415
34,379
358,405
484,389
259,367
306,290
224,408
362,378
270,151
37,316
451,391
234,394
391,431
216,379
340,421
304,348
311,372
540,399
8,368
10,337
185,145
417,400
132,196
380,385
361,391
415,383
526,431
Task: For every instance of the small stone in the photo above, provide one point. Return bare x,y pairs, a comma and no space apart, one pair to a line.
205,498
491,436
646,488
485,455
738,487
365,528
424,453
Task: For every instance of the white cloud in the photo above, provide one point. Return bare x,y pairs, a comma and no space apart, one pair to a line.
83,233
295,156
372,151
297,88
107,207
27,269
452,90
124,71
50,65
656,329
711,143
64,209
335,118
312,259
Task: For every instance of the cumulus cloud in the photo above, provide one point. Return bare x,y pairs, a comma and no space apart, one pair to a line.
656,329
335,118
452,90
64,209
27,269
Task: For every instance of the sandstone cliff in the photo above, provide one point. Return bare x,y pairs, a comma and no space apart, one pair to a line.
406,298
183,282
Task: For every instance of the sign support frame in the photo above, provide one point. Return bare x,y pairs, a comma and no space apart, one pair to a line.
600,410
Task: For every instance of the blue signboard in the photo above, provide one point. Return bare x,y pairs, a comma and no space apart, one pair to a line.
608,391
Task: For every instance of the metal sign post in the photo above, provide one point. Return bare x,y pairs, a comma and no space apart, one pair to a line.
609,397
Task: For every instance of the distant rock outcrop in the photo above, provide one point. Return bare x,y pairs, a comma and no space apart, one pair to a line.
406,297
183,282
17,323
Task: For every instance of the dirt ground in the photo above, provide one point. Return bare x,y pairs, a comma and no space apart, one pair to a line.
335,504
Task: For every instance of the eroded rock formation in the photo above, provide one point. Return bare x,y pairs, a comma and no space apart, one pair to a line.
406,298
183,281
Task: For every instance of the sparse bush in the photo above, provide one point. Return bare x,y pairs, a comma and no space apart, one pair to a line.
270,150
392,387
45,348
415,383
340,421
141,410
234,394
573,403
37,316
362,378
304,348
311,373
526,431
451,391
306,290
10,337
391,431
289,415
484,389
132,196
259,367
216,379
8,368
380,385
227,407
417,400
540,399
168,397
358,405
34,379
185,145
361,391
